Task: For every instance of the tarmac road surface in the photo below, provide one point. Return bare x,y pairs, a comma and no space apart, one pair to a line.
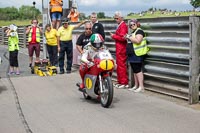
33,104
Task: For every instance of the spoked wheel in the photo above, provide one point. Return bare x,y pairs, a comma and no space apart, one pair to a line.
86,96
107,95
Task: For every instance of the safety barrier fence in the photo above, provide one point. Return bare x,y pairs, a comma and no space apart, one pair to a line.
172,64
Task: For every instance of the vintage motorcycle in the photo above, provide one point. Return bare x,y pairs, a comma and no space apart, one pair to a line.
98,80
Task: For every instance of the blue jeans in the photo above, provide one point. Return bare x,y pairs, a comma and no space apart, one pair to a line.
56,15
65,47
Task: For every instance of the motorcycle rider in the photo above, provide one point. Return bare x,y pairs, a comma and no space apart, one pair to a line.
89,51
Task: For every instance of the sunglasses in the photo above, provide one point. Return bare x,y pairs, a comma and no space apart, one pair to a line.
87,28
116,18
132,25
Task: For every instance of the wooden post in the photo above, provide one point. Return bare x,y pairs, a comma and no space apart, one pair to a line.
194,60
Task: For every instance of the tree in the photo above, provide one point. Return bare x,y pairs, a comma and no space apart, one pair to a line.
195,3
24,12
9,13
101,15
28,12
82,16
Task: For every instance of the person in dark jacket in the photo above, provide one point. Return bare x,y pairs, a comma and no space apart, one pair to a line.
84,38
96,26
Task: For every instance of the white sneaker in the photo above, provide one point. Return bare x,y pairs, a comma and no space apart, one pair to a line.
139,90
116,85
122,86
132,89
126,86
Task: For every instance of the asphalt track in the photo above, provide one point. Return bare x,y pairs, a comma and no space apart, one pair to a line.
33,104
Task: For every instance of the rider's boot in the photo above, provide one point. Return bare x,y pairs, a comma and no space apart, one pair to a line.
81,87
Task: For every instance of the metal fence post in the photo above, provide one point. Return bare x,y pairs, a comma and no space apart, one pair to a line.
194,60
24,37
2,33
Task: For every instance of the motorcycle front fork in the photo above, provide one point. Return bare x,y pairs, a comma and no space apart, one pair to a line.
100,84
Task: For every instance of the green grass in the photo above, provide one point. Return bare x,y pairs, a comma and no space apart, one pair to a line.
159,14
145,15
16,22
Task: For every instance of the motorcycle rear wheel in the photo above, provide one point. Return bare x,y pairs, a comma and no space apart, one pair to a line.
107,95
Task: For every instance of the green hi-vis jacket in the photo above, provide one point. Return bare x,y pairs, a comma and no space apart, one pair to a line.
141,48
13,41
37,35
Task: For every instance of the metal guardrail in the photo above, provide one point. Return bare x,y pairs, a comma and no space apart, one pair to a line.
172,65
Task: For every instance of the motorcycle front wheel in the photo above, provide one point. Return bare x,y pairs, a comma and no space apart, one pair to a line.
107,94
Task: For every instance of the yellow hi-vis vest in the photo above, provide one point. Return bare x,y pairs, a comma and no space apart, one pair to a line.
55,6
13,42
37,35
141,48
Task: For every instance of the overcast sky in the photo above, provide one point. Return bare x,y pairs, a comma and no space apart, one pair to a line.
110,6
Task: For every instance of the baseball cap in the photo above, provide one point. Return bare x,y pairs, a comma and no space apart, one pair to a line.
65,21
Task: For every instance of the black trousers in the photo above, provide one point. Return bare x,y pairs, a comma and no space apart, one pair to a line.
66,47
13,58
53,54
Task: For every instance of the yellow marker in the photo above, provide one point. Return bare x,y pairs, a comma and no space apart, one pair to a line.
88,83
106,65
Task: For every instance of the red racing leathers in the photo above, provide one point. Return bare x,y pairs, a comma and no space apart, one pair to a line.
121,56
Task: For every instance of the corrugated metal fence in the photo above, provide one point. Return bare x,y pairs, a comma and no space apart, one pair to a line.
172,65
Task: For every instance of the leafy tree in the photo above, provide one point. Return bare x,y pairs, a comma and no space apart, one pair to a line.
150,9
8,13
101,15
28,12
130,14
82,16
24,12
195,3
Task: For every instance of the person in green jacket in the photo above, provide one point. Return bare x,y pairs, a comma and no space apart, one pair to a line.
13,48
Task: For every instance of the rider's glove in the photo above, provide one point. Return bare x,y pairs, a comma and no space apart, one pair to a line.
90,64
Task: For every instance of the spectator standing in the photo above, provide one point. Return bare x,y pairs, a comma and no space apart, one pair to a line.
52,45
121,56
136,51
65,45
73,15
34,32
96,26
13,48
56,12
84,38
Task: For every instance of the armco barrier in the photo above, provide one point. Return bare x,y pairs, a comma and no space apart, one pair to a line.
172,64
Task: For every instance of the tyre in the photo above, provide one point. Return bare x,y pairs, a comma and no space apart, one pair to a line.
107,95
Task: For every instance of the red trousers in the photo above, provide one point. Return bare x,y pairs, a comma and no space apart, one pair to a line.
82,71
121,58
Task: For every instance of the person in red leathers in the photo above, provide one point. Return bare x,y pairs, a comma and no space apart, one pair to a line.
95,45
121,57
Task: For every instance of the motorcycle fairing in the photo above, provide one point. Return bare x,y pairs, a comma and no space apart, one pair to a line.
89,82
